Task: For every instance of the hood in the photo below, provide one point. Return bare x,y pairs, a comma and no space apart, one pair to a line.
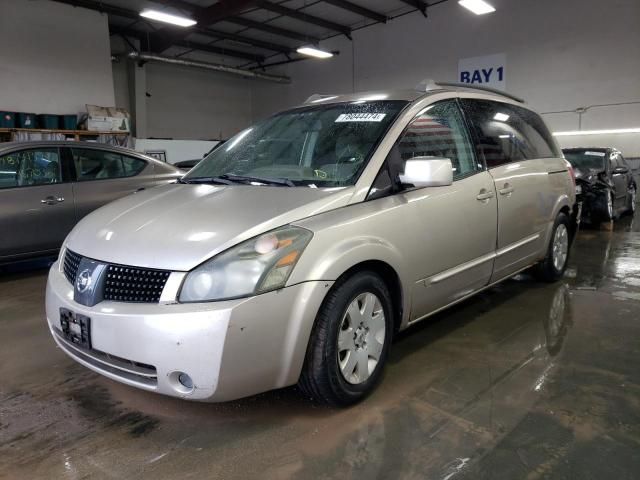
178,226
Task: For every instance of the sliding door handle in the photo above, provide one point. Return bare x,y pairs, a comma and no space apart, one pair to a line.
506,190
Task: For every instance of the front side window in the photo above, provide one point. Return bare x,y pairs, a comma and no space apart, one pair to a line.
102,165
507,133
439,132
323,146
30,167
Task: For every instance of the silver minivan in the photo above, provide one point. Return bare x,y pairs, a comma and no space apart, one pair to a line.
294,253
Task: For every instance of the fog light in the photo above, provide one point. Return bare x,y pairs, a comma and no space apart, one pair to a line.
185,380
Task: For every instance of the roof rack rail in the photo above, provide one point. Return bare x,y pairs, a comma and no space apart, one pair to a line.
429,85
319,97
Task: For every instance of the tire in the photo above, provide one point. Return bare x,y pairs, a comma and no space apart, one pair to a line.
549,270
332,350
631,206
603,211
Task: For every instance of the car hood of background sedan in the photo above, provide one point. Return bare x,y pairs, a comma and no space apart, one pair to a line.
177,227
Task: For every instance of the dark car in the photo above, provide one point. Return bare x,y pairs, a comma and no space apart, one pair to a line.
604,183
186,165
47,187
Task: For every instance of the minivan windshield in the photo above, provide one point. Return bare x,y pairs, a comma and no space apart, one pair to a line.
586,159
321,146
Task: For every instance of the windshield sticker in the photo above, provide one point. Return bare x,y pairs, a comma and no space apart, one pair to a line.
360,117
595,154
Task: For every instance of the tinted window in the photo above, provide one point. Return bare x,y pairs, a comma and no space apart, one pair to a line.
439,131
508,133
101,165
30,167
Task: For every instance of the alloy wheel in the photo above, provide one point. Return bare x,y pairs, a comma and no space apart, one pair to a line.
560,247
361,338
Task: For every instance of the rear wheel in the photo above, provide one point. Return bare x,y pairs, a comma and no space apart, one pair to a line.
555,262
631,206
349,342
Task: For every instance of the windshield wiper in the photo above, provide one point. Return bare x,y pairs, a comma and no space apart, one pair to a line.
220,180
284,182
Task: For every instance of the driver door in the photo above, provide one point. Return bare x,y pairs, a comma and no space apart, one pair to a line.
455,226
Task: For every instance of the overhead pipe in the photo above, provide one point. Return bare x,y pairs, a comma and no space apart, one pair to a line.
148,57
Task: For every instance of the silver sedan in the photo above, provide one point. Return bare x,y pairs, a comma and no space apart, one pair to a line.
47,187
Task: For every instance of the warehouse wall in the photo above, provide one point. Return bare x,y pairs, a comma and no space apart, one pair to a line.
189,103
181,102
53,58
560,55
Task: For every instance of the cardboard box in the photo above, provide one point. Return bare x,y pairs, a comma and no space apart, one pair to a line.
108,119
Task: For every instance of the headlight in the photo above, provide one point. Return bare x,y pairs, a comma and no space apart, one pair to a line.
258,265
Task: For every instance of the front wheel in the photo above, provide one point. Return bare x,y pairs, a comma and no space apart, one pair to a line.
349,342
555,262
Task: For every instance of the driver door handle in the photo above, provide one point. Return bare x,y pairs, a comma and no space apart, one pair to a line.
484,195
51,200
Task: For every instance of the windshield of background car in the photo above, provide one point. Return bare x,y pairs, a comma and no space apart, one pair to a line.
586,159
322,146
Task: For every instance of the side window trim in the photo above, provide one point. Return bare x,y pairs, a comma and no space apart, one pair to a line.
101,151
466,131
480,163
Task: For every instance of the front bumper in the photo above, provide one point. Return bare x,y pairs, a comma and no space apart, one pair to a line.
230,349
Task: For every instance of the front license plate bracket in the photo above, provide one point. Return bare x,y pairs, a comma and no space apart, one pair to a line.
76,328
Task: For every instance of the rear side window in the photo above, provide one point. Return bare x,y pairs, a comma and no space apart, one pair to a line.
102,165
439,131
26,168
507,133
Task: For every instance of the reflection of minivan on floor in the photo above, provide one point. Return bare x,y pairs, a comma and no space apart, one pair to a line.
297,250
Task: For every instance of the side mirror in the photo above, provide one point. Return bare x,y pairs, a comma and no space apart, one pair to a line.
427,172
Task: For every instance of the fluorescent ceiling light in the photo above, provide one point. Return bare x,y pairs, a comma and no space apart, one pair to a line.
479,7
314,52
597,132
501,117
168,18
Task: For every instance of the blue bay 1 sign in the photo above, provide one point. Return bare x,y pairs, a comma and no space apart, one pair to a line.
485,71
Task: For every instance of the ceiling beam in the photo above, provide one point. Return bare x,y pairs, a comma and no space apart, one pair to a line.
303,17
418,4
203,47
275,47
265,27
357,9
165,37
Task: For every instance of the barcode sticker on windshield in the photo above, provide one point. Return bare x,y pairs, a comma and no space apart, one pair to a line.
360,117
595,154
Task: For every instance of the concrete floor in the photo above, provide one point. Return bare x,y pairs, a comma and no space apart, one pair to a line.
524,381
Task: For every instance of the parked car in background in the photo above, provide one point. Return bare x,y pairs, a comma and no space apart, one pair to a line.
296,253
604,183
186,165
46,187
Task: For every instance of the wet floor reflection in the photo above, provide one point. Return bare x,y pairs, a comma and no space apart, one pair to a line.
527,380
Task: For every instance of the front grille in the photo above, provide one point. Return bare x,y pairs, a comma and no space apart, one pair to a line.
123,283
132,284
71,264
